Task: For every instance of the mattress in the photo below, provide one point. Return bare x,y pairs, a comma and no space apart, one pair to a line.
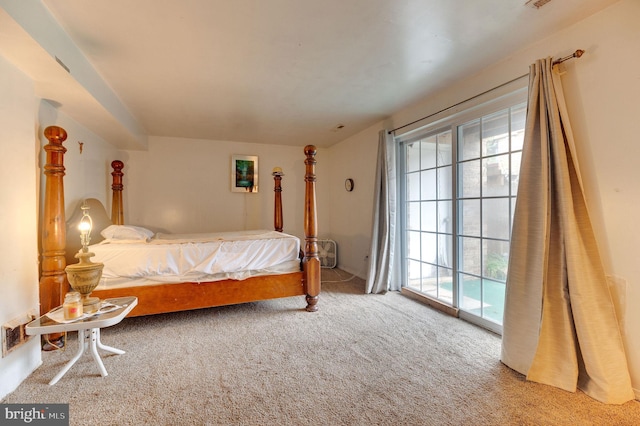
173,258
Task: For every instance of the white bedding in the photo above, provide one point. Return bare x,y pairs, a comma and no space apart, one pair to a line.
195,257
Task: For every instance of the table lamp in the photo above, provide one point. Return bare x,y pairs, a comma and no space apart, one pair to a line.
85,275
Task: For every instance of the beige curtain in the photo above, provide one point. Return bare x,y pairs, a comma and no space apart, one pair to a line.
383,267
560,325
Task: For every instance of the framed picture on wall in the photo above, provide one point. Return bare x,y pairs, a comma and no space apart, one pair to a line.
244,173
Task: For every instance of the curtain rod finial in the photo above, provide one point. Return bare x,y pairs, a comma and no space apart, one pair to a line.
578,53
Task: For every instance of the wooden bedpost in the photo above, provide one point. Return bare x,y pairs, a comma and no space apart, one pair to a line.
311,262
277,214
53,280
117,208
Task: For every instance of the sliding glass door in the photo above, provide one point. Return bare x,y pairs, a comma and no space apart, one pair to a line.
488,167
459,184
429,206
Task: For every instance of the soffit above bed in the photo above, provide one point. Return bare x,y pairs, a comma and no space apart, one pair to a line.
283,72
61,89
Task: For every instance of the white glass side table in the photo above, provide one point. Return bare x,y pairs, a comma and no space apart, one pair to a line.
88,329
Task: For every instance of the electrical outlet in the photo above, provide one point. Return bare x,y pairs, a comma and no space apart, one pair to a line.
14,333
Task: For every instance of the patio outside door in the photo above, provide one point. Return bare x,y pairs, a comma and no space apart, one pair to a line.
459,186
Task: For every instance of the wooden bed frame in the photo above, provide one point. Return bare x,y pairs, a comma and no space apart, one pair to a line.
163,298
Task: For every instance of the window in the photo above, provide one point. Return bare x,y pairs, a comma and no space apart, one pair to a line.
459,184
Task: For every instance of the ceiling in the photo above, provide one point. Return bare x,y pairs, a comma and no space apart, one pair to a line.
284,72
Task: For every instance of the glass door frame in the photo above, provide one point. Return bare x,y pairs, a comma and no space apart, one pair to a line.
451,123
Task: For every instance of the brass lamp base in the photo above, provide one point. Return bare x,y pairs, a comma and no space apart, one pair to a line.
84,277
90,305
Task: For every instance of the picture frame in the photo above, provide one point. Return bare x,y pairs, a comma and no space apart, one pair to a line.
244,173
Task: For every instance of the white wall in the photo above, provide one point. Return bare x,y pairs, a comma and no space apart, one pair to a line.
19,250
23,119
602,90
351,212
183,185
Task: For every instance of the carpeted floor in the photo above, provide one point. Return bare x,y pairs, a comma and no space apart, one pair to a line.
360,360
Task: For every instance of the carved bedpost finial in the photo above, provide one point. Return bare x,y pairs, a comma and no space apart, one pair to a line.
117,208
310,151
117,174
117,166
311,262
55,135
55,153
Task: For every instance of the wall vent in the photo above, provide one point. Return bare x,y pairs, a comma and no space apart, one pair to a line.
537,4
14,333
63,65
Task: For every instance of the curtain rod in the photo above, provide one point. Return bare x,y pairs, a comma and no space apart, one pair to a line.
578,53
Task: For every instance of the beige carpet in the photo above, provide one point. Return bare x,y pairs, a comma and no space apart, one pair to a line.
360,360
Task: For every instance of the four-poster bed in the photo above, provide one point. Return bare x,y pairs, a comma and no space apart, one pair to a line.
171,297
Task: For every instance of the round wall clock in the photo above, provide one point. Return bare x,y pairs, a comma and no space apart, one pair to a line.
348,185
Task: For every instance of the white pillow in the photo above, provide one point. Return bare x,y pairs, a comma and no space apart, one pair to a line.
126,232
